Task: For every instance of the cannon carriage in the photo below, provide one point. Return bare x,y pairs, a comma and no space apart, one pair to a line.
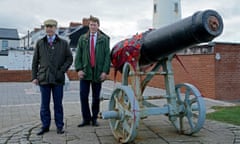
155,50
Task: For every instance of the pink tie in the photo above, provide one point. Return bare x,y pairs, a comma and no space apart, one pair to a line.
92,51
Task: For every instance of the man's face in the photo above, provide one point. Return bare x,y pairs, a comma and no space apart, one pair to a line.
93,26
50,30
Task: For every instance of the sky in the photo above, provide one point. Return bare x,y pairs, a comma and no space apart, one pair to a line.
119,19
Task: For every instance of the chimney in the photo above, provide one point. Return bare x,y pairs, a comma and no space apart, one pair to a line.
74,24
85,21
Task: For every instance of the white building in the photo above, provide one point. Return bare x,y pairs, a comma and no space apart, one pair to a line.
166,12
29,41
8,39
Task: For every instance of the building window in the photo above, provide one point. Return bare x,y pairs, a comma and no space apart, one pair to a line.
4,45
176,7
155,8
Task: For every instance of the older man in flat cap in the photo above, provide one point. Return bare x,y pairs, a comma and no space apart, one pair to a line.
52,58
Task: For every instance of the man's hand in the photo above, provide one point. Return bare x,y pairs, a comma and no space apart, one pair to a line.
35,81
81,74
103,76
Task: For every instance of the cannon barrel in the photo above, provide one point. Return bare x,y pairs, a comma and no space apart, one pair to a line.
202,26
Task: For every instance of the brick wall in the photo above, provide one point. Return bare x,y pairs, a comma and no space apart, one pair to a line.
216,79
25,75
228,72
200,73
15,75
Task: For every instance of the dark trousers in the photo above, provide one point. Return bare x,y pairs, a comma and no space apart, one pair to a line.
45,114
84,98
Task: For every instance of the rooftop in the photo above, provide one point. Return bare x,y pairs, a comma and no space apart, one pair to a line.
10,34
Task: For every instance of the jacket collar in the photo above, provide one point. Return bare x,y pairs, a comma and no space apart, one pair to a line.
87,36
45,38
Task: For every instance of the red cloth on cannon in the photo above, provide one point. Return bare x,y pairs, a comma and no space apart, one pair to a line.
127,50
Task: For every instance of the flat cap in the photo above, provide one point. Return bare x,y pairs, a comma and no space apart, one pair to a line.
51,22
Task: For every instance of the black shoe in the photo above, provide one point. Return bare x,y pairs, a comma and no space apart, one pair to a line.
42,131
84,123
95,123
60,131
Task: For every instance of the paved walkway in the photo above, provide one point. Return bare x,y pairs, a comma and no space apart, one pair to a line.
19,121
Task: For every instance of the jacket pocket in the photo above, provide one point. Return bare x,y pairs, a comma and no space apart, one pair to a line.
60,77
41,75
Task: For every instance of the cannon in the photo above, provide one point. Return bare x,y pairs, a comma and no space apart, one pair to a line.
154,50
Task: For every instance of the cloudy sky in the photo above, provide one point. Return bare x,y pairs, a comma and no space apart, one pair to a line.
119,18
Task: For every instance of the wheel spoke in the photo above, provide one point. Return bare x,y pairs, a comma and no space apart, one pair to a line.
126,126
191,122
119,106
181,123
192,108
116,125
116,102
189,112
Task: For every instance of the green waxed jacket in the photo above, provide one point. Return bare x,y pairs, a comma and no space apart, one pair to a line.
102,57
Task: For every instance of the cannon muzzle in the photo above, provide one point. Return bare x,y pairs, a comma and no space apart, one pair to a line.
153,45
